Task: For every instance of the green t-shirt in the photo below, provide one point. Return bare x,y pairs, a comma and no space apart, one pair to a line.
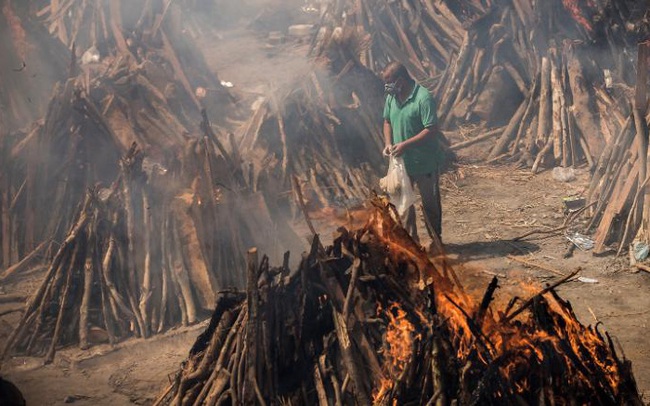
407,120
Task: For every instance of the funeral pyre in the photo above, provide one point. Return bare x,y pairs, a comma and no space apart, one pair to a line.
372,320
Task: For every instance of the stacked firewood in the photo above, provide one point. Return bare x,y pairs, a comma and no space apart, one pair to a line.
87,127
31,64
324,131
141,89
151,34
540,72
371,320
618,189
141,254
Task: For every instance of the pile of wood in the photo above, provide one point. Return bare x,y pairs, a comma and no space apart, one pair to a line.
87,128
32,62
541,74
371,320
324,131
142,255
141,89
619,187
151,34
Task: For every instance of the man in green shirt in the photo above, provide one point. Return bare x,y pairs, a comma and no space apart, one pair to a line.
410,128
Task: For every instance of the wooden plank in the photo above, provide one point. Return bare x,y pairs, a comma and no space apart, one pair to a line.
621,196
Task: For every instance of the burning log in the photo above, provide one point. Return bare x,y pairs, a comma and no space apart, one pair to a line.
371,319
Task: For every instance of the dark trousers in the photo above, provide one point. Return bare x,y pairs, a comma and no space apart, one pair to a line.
429,187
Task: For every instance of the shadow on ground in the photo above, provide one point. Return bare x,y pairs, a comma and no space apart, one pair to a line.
489,249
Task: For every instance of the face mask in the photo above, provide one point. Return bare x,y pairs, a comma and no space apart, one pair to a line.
391,88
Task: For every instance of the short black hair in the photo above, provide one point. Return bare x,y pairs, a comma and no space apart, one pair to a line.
395,70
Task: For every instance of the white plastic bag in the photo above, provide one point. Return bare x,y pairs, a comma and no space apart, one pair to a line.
398,185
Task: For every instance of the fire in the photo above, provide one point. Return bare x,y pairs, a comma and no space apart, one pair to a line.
398,350
548,332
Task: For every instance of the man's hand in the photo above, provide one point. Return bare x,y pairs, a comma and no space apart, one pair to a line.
398,149
388,150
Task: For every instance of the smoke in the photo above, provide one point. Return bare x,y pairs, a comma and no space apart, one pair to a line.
32,62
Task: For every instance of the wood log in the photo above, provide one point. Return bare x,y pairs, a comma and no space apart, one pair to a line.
485,136
556,109
544,124
582,104
85,301
24,263
252,329
641,127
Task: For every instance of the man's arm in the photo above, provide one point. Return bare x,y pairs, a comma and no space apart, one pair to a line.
428,132
388,137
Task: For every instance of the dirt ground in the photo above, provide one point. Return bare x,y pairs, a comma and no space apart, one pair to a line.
484,209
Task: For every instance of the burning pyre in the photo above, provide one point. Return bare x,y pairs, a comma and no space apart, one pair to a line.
372,320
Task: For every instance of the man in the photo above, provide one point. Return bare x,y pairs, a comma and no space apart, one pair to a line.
410,130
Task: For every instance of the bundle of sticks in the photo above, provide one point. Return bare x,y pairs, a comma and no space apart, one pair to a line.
141,255
325,130
144,93
372,320
618,188
538,73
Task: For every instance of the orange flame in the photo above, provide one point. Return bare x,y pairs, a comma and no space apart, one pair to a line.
516,345
398,349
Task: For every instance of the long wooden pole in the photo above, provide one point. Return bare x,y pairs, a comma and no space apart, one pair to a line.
641,126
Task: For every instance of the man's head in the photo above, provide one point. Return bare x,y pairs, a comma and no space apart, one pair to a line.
396,78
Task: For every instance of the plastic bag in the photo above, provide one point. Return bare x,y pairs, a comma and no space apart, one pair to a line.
398,185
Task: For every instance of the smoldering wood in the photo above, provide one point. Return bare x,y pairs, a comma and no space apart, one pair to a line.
315,321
